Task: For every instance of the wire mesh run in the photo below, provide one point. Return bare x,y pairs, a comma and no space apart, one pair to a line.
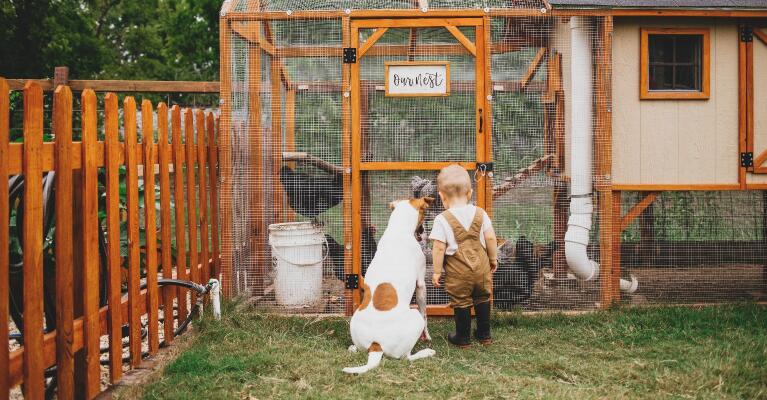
299,135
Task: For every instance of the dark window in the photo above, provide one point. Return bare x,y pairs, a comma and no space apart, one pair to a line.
675,62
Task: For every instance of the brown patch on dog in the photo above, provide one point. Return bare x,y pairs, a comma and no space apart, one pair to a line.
374,347
365,297
421,204
385,297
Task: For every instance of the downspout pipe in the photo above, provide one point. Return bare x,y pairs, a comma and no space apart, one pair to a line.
581,153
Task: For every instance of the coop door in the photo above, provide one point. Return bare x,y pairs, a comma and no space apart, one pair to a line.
756,98
418,104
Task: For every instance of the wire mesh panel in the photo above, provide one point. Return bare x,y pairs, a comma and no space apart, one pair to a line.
697,247
315,139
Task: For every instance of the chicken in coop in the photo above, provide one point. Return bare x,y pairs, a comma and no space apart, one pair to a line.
311,195
336,252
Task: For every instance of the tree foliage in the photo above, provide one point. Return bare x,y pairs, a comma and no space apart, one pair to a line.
109,39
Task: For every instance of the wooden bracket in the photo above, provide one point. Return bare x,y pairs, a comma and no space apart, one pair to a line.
462,39
534,65
638,208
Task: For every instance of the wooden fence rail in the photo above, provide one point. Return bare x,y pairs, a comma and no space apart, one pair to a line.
98,274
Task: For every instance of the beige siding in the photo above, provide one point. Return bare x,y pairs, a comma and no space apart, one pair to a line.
760,106
675,141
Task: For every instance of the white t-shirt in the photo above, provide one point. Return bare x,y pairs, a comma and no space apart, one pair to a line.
442,231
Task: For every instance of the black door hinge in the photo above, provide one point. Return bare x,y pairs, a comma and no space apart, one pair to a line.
352,281
350,55
746,34
747,159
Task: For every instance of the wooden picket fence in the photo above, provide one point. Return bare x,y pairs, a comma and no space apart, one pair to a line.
82,318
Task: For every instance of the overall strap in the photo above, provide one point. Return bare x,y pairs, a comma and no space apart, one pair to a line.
458,230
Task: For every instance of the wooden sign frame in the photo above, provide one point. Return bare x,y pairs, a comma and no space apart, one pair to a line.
446,64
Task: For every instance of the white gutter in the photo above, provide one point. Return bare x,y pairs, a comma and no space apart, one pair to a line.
581,141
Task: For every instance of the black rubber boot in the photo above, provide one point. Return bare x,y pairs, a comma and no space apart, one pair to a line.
461,337
482,312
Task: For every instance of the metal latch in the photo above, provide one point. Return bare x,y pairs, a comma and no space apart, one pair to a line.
746,34
352,281
747,159
350,55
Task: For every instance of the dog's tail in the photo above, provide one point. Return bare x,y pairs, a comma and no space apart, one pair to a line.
375,354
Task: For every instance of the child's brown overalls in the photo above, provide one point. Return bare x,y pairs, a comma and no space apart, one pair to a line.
468,280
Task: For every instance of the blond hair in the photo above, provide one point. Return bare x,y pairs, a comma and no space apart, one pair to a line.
454,181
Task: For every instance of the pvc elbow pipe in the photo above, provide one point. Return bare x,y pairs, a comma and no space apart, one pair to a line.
629,286
578,261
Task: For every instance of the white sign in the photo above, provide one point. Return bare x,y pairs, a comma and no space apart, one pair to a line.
418,78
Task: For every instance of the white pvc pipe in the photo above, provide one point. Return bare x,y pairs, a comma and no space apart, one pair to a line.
215,298
581,141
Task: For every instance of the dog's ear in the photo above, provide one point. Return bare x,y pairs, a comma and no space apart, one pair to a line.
421,203
429,201
393,204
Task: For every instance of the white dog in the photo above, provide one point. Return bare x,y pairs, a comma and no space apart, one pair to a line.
384,323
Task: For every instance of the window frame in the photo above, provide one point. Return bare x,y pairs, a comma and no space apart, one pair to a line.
705,74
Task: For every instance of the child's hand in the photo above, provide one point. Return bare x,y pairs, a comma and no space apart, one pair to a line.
493,266
435,279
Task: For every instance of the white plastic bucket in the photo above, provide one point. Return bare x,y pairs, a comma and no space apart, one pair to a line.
297,256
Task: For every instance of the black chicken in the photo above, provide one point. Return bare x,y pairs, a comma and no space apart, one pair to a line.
310,195
517,273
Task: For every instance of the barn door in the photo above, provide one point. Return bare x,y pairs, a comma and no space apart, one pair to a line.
418,104
754,44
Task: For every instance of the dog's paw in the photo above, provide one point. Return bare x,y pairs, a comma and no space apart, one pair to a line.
429,352
425,337
352,349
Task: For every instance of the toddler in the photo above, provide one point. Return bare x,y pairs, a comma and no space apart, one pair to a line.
463,238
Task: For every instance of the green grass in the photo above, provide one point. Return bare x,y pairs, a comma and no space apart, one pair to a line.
709,353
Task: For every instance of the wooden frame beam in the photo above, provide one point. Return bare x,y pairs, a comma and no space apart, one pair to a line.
638,208
458,35
533,68
371,41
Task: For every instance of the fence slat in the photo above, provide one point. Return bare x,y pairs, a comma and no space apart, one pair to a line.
62,129
4,234
191,193
90,241
150,223
33,245
201,164
114,285
134,239
213,178
169,293
191,205
178,197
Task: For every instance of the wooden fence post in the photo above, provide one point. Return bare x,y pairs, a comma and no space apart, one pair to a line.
134,239
213,177
178,197
114,267
90,243
4,234
203,216
60,77
34,367
62,129
191,203
150,224
169,293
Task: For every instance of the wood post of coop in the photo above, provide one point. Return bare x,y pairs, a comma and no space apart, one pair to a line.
351,126
224,140
608,230
257,214
616,243
290,137
561,212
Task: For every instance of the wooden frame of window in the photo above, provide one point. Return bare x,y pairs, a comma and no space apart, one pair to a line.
644,55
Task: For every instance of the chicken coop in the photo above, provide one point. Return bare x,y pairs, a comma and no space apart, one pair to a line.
332,109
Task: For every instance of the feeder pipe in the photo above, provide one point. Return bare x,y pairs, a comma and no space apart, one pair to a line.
581,151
